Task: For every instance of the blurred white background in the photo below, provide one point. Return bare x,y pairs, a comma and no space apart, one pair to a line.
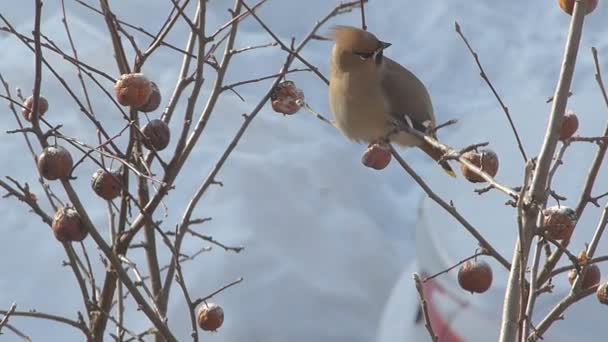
326,239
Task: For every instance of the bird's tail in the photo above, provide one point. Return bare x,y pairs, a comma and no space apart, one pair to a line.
436,154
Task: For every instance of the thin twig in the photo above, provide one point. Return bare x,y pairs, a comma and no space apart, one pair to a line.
285,46
318,115
255,80
483,243
40,315
425,310
453,154
363,25
139,29
214,293
215,242
7,315
556,313
485,78
453,266
567,268
18,333
531,300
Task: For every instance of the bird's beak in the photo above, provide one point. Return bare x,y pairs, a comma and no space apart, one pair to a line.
385,45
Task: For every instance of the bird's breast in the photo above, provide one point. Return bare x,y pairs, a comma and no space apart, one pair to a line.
359,107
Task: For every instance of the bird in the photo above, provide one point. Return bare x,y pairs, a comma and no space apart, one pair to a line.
370,95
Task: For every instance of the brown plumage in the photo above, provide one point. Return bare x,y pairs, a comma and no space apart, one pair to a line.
369,93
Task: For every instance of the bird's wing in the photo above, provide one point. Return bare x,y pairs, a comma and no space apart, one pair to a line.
406,95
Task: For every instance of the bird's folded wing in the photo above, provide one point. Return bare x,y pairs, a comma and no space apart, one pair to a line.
406,95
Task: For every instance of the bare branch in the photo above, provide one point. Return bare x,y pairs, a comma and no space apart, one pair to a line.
537,193
585,197
483,243
80,325
425,311
363,25
7,315
453,266
214,293
485,78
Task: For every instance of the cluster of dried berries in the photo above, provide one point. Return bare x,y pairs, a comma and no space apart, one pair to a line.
55,162
136,91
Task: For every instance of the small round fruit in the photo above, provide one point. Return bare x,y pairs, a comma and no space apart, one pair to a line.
287,98
156,135
55,162
133,90
475,276
568,5
485,159
592,276
106,184
569,126
376,157
602,293
43,106
67,225
210,317
559,222
153,101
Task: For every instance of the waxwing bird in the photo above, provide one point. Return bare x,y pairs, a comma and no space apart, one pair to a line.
370,94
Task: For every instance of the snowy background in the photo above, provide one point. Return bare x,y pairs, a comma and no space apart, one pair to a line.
327,240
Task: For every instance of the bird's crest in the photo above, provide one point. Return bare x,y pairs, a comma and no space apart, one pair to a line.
355,40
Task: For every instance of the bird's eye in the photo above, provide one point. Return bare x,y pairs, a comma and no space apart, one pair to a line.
364,55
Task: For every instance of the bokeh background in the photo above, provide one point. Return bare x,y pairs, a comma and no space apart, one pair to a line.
328,242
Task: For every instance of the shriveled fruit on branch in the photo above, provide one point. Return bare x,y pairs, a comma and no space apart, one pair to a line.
106,184
43,106
592,274
67,225
569,126
55,162
133,90
475,276
287,98
153,101
376,157
568,5
559,222
602,293
486,160
156,135
210,317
